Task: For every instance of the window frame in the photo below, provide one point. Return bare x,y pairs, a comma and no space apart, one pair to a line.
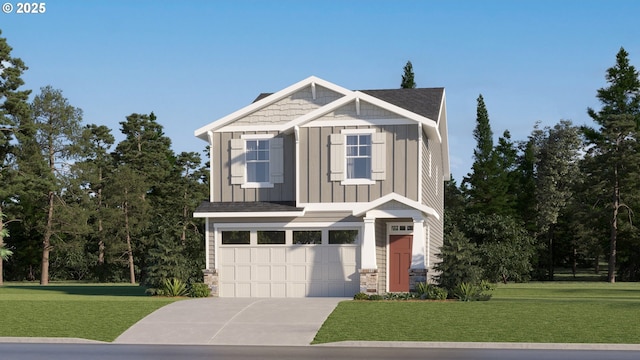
258,138
357,132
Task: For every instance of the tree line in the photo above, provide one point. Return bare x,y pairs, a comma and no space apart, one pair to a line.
565,197
75,205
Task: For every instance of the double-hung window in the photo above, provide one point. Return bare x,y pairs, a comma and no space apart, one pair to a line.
257,161
358,156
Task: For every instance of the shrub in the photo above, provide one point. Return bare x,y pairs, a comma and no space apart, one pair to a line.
199,290
360,296
431,292
471,292
375,297
174,287
399,296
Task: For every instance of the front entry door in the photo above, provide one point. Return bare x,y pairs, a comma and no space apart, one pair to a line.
399,262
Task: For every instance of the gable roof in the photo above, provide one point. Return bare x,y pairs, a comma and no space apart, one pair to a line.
268,100
422,101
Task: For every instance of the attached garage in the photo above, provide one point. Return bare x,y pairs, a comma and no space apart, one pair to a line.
276,259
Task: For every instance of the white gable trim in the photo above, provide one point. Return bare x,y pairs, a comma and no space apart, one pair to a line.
310,81
363,208
444,136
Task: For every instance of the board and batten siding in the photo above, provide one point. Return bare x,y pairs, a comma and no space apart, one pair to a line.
224,190
316,185
433,196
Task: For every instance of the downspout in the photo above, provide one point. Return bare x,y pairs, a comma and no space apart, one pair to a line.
296,130
420,174
210,136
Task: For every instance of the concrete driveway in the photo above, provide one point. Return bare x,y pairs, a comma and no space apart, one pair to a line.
233,321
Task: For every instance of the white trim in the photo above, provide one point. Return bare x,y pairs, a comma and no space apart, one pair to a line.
357,106
313,90
215,248
211,165
362,208
420,147
257,136
355,122
206,244
297,161
368,244
201,132
240,128
356,131
257,185
395,213
357,182
291,225
241,214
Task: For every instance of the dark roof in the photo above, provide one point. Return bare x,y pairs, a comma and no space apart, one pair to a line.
422,101
256,206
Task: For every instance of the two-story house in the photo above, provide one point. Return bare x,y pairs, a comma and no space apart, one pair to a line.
317,190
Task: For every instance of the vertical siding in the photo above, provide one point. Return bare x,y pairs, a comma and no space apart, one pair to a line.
220,174
401,170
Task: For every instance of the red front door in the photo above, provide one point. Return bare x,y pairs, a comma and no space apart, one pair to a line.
399,262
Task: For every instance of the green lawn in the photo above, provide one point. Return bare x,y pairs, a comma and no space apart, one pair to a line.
98,312
560,312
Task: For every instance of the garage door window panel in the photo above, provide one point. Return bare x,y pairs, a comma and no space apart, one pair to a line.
307,237
236,238
341,237
271,238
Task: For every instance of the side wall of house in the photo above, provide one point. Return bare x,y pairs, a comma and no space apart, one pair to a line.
401,171
223,190
433,196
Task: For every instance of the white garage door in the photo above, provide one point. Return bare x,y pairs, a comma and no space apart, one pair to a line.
289,271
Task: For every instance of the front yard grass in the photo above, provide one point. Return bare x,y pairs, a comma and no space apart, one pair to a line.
92,311
558,312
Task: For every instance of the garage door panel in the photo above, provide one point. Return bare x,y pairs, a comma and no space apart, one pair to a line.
263,273
278,255
242,255
279,273
243,273
288,271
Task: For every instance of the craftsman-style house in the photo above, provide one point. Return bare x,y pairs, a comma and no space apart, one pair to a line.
317,190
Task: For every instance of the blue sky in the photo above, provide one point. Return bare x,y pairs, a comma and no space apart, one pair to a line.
192,62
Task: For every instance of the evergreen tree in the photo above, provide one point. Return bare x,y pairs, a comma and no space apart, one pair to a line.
557,176
58,131
94,170
408,77
13,106
487,185
615,147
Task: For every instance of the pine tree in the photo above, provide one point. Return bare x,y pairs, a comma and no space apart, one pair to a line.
13,106
58,131
487,185
615,146
408,77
